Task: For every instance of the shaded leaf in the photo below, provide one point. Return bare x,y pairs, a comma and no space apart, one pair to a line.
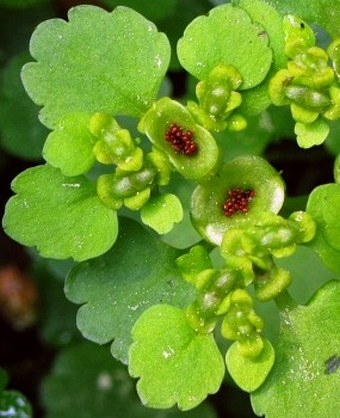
103,386
21,133
117,287
301,379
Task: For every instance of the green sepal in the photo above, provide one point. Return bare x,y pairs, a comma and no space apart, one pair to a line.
192,263
311,134
156,122
305,116
298,35
114,145
311,68
159,160
70,146
270,284
248,373
137,201
276,87
333,112
247,172
334,53
174,364
62,216
105,194
161,212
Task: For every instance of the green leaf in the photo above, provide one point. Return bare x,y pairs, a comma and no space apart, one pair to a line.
118,73
305,376
249,374
70,146
175,364
267,16
21,133
210,41
102,386
147,8
117,287
326,13
323,205
15,405
162,212
312,134
62,216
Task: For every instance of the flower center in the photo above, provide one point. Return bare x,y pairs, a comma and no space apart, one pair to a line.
237,201
181,140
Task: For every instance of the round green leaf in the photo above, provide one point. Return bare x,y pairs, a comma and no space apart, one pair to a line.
70,146
175,364
162,212
102,386
306,376
117,287
118,72
323,205
21,132
62,216
248,173
14,404
226,36
249,374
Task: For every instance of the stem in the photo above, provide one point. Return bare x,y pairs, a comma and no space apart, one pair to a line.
285,301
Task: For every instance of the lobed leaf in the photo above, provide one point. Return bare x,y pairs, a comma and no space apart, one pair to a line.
62,216
306,374
119,72
102,386
116,288
210,41
175,364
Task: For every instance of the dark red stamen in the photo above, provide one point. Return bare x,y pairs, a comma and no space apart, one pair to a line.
237,201
181,140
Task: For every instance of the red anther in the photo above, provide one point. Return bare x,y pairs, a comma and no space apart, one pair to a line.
181,140
237,201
